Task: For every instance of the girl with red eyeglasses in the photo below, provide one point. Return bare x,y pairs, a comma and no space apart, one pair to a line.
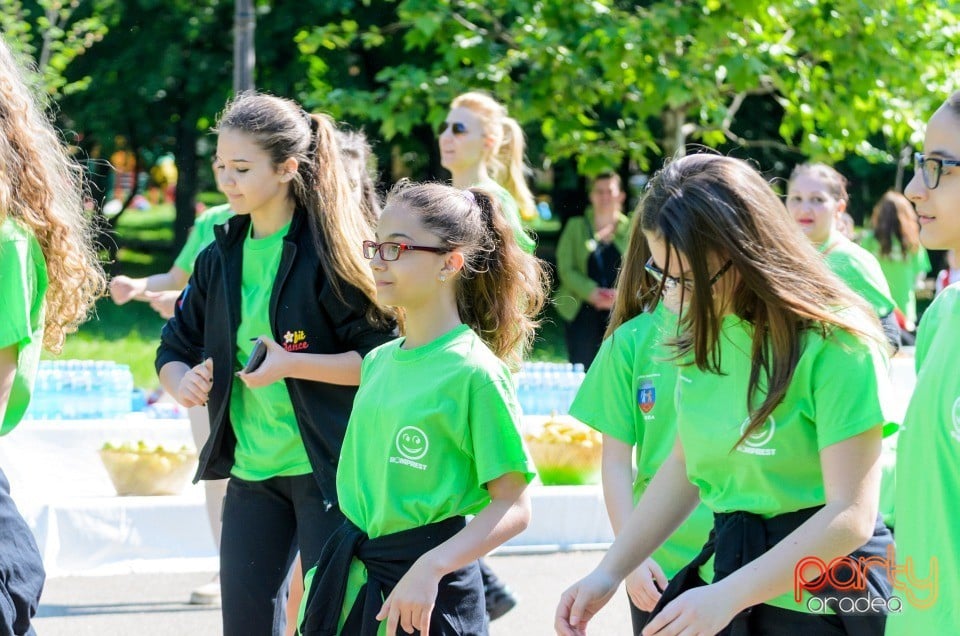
434,435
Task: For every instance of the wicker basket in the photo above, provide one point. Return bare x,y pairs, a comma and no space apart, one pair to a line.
566,452
148,472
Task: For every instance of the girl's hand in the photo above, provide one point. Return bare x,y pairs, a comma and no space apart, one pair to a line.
411,602
645,584
163,302
272,368
195,385
582,601
123,289
702,610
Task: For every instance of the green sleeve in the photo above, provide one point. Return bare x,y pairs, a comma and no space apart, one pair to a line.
16,291
605,400
495,441
571,260
931,323
851,389
201,236
923,261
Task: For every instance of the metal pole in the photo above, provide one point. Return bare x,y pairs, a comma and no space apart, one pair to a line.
244,53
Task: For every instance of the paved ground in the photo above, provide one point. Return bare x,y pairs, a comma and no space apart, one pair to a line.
155,604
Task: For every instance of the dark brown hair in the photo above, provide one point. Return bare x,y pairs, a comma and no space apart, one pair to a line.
501,289
636,292
705,204
895,222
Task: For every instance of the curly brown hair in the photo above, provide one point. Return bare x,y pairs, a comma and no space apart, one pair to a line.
42,188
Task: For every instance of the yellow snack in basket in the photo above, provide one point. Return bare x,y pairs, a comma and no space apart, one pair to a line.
566,452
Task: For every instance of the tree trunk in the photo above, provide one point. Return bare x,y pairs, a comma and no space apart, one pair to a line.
244,53
186,192
674,135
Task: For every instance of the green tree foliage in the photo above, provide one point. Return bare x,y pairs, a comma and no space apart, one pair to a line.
606,79
54,33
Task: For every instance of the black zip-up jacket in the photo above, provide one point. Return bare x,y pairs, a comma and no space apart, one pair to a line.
306,315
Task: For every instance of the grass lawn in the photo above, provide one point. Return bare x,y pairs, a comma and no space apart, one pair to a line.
130,334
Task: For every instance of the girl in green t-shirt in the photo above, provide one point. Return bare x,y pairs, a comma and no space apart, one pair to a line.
627,395
284,271
895,242
433,436
482,146
817,197
778,412
928,448
50,277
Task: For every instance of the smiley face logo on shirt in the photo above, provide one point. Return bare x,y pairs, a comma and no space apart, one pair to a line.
412,442
756,442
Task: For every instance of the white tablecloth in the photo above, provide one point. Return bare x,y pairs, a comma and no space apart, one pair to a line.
83,528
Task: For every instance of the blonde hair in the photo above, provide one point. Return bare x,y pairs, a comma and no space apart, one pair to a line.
42,188
501,289
321,187
505,160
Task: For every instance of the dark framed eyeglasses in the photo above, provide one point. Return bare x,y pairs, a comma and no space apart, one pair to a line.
670,283
390,251
930,168
456,127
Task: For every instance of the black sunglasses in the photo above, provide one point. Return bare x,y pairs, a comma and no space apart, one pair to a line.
455,127
391,251
670,283
930,168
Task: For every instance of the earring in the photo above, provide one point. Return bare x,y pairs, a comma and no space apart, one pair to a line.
443,278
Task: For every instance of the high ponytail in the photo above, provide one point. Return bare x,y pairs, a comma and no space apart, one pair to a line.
501,289
320,187
509,168
506,158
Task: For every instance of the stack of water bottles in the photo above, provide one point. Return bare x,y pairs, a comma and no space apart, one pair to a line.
81,390
548,388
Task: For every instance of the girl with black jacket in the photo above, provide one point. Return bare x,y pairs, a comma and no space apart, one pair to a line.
286,271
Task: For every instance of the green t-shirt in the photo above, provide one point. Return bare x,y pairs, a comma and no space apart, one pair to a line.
512,211
430,427
859,270
23,284
268,436
838,391
928,477
628,395
201,235
901,272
